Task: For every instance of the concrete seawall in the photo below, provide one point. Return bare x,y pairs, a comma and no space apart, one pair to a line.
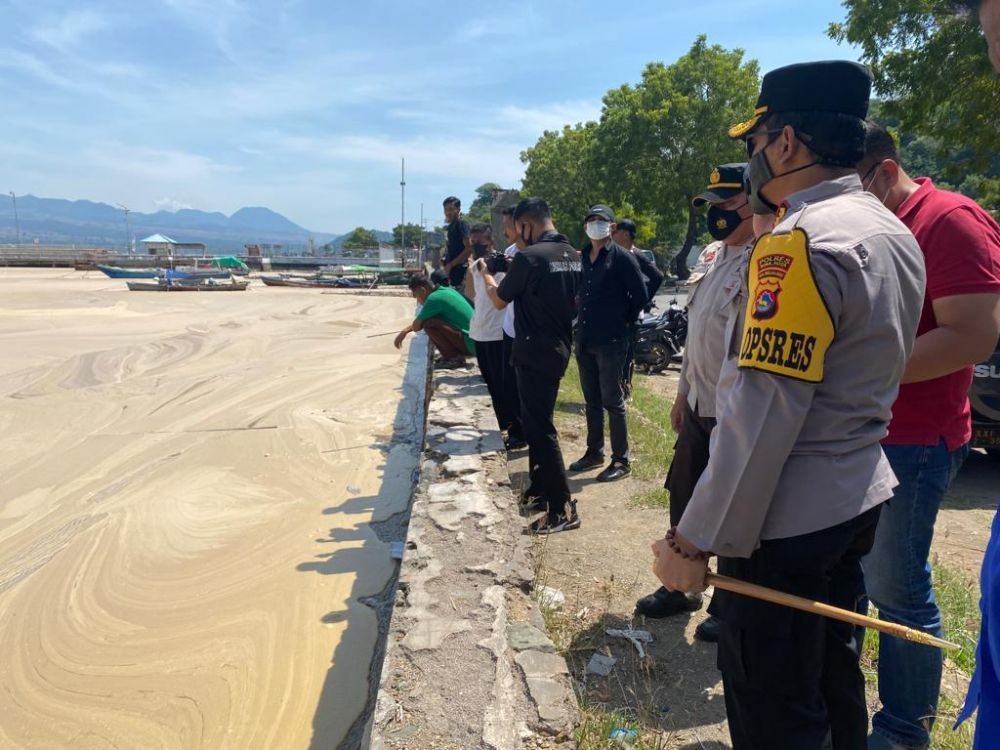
467,663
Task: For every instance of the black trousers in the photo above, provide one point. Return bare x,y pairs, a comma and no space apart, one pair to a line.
489,355
510,394
689,462
791,678
603,391
538,393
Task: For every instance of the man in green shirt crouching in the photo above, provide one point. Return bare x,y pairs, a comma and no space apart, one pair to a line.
444,315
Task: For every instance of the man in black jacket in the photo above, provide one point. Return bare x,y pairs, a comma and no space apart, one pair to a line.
543,279
613,292
624,235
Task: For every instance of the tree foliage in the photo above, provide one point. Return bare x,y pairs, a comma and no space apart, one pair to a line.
932,66
413,235
479,211
560,169
360,238
654,146
923,156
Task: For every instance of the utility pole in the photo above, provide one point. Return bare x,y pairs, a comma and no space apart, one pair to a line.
420,248
17,222
402,206
128,232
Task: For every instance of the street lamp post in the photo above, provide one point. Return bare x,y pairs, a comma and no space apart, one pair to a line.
402,207
128,232
17,222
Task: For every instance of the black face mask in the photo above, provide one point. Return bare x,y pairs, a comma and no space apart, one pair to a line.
479,250
722,223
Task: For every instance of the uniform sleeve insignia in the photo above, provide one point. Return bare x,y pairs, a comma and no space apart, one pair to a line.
787,327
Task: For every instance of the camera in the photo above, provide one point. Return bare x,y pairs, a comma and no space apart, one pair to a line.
496,263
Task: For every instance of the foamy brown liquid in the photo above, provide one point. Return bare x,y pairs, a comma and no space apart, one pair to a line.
185,486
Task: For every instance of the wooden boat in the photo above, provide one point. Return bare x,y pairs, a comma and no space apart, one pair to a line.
117,272
189,285
319,280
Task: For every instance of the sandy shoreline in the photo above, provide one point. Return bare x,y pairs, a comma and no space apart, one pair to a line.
185,486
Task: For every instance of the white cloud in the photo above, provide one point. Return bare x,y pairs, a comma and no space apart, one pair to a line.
216,18
549,117
170,204
166,166
69,29
445,156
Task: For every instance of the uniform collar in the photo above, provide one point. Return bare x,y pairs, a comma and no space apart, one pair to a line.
821,191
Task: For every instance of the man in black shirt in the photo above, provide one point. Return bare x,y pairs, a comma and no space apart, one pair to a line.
612,294
543,279
459,247
624,235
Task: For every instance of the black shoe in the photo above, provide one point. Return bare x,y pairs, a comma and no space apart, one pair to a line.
617,470
589,461
708,630
513,443
553,523
664,603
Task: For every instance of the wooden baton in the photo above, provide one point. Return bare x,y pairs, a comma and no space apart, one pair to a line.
826,610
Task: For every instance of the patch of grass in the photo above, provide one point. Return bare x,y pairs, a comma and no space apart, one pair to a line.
649,431
654,497
958,598
651,437
597,724
570,392
943,737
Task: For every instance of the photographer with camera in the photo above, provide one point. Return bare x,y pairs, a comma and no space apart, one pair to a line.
486,328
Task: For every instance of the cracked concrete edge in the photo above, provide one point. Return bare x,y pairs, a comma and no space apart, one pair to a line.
464,491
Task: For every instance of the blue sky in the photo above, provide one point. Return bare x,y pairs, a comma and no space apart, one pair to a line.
307,107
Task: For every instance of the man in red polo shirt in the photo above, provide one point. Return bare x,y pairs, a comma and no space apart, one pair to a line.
930,428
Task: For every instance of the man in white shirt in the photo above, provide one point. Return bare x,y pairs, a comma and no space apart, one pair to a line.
515,433
486,328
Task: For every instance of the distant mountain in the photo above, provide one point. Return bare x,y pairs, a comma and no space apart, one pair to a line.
58,221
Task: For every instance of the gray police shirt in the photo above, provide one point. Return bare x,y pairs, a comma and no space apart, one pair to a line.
709,304
791,457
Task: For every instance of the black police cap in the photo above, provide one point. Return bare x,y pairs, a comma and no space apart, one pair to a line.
837,86
725,181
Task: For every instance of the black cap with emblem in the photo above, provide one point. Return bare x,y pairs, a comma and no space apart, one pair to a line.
725,181
836,86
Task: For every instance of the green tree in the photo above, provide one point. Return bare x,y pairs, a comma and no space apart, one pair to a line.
360,238
560,169
658,140
413,235
479,211
932,66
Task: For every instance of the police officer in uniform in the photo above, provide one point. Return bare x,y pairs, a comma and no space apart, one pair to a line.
693,415
790,499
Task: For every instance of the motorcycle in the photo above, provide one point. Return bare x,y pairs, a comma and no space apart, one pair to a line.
660,339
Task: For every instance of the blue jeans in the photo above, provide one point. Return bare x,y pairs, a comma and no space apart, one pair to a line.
601,368
898,580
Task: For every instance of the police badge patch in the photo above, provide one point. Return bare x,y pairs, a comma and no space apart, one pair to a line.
771,269
787,327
